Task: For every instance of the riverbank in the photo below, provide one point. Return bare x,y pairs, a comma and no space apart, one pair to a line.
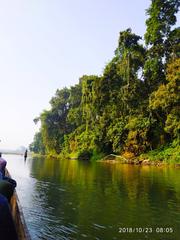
136,161
158,157
166,155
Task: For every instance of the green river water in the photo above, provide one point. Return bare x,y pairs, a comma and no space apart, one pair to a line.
74,200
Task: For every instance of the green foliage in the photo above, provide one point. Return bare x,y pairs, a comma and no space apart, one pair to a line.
130,52
159,39
161,18
54,124
74,116
168,154
164,102
122,111
117,134
172,124
37,146
85,154
138,134
172,44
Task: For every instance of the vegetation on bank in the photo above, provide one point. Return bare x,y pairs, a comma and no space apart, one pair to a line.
132,108
167,154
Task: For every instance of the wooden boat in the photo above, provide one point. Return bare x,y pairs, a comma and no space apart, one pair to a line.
18,217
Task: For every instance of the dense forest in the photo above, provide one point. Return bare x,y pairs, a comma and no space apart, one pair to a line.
132,108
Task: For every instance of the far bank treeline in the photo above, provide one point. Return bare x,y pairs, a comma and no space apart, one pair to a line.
133,108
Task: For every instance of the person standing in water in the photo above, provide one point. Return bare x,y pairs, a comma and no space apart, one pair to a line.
25,155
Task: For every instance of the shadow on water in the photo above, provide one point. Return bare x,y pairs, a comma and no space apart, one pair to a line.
70,199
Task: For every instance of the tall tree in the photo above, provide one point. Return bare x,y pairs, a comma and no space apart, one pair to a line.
37,145
54,122
162,16
165,102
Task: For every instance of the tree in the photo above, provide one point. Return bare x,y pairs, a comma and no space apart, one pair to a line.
162,16
37,146
165,102
54,122
74,116
130,53
122,110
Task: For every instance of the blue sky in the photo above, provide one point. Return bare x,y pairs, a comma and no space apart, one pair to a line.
49,44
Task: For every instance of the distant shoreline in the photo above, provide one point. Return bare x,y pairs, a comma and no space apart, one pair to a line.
11,153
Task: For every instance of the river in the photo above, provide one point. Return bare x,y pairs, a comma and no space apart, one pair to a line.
74,200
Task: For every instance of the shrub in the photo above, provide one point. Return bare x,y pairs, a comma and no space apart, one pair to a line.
85,154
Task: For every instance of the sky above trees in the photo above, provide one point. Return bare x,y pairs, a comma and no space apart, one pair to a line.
45,45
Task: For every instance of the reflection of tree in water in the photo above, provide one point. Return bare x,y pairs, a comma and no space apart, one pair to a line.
80,195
